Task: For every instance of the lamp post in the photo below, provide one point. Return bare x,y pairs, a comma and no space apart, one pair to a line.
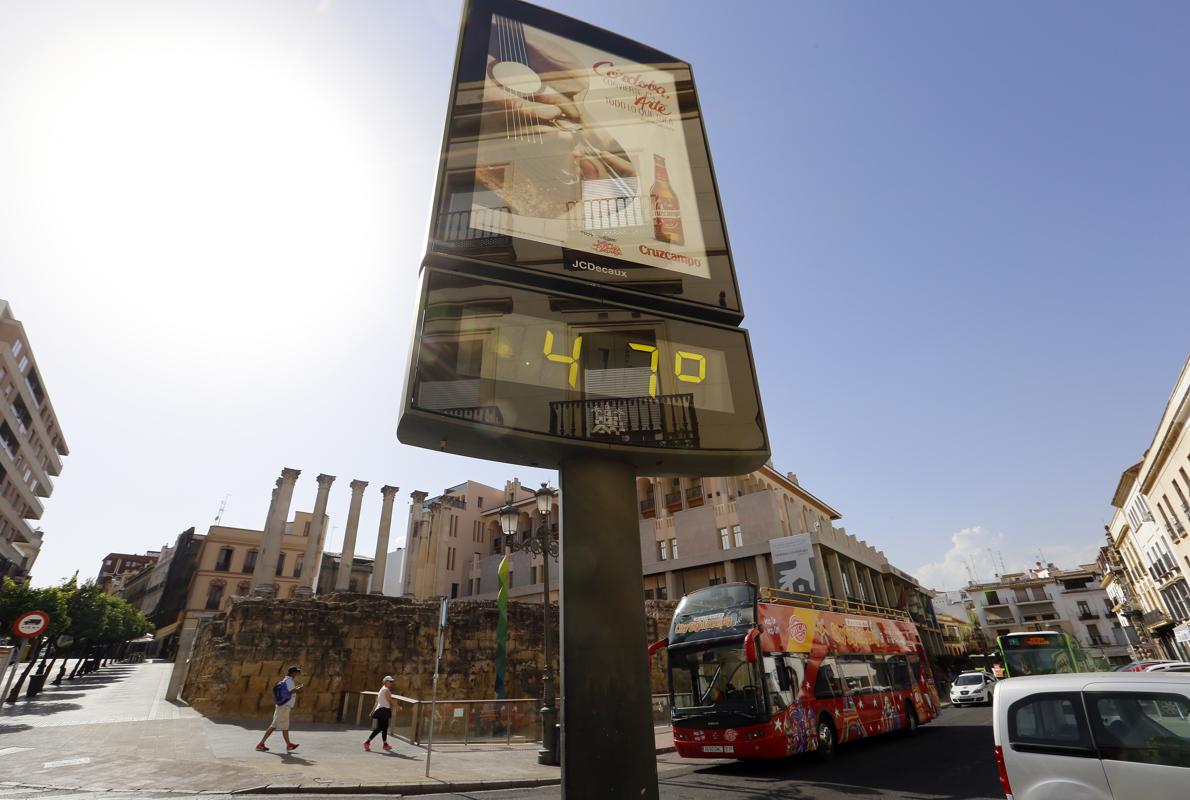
541,542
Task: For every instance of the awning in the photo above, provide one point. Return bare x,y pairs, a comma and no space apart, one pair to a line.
167,630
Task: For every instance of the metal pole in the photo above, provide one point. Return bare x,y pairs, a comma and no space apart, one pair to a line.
434,690
606,716
548,754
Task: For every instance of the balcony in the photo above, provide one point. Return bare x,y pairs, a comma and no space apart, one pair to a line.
1087,615
1035,601
648,508
694,497
1155,619
673,501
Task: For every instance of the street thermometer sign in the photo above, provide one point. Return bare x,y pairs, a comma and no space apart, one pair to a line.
578,295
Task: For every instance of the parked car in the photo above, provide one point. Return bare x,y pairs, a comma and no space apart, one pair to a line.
1140,666
1169,666
1093,736
970,688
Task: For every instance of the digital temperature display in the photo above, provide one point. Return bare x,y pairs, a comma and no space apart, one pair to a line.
529,376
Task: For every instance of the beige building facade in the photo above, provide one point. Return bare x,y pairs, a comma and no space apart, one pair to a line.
227,559
31,448
1150,531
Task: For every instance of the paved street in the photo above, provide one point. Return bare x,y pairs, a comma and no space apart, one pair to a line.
112,732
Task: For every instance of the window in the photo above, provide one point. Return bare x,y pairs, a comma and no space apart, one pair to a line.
827,683
297,566
854,672
662,550
673,549
898,667
1049,723
450,558
1083,609
737,536
223,562
306,530
214,596
454,591
280,563
250,561
724,542
479,502
1093,634
17,344
1146,728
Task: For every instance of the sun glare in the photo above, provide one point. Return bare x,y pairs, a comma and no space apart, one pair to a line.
177,171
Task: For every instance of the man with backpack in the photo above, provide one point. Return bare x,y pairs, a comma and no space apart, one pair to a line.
285,693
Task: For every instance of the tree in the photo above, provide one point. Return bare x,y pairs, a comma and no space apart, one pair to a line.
18,598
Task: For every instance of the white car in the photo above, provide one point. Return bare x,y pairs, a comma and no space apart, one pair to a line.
1093,736
971,688
1169,666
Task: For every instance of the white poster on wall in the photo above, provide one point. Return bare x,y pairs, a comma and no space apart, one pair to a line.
794,565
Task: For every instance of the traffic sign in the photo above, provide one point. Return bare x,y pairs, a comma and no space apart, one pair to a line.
30,624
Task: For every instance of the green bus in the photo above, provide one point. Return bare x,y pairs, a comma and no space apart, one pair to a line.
1041,653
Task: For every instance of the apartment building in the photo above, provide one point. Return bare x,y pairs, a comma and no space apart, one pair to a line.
227,558
1048,598
31,448
1148,539
117,567
446,534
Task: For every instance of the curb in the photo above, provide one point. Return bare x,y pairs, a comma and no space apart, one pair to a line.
401,788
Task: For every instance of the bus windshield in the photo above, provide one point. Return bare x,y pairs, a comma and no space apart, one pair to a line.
714,681
1041,653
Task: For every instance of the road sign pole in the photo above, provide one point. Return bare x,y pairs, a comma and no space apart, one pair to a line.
434,692
606,717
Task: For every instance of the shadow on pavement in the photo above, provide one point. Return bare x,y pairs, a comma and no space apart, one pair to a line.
41,708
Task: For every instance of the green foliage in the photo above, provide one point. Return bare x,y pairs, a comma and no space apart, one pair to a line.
17,598
84,612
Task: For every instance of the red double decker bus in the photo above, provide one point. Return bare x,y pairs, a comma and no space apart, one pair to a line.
768,674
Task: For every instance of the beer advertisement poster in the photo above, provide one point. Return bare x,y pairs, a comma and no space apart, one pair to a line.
572,138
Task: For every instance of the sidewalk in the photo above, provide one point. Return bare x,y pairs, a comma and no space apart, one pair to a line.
114,731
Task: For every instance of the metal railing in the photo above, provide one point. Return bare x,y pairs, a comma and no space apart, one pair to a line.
455,721
823,603
467,721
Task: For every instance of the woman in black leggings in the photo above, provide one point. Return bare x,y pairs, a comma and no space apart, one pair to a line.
382,713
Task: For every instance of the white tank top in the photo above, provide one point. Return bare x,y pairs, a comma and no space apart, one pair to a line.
383,698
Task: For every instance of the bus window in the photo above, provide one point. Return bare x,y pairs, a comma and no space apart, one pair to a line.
797,671
777,681
882,671
854,672
827,683
899,667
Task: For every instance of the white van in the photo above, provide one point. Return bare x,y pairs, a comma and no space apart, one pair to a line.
1093,736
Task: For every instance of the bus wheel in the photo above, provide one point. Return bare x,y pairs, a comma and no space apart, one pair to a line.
910,720
826,738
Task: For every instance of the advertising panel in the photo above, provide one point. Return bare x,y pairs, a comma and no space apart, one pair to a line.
577,153
794,566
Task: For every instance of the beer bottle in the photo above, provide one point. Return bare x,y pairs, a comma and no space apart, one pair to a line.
667,217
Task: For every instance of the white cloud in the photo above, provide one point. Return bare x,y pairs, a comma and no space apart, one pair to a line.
980,554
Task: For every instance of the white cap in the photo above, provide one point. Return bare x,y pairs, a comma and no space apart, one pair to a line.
387,678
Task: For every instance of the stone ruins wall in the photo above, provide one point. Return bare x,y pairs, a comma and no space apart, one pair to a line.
345,643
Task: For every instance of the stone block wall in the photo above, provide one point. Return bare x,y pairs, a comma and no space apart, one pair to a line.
345,643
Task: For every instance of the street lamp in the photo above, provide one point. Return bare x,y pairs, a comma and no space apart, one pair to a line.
540,543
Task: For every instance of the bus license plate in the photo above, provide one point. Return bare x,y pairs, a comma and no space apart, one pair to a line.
717,748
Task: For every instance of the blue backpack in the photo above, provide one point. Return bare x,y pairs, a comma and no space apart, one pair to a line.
281,693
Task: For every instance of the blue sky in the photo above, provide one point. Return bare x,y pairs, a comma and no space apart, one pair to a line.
960,233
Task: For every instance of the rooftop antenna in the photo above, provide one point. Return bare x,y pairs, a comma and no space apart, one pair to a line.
970,577
971,560
1000,555
222,508
992,556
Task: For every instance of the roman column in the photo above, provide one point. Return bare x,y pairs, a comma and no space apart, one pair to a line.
312,560
258,568
379,565
347,559
265,574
